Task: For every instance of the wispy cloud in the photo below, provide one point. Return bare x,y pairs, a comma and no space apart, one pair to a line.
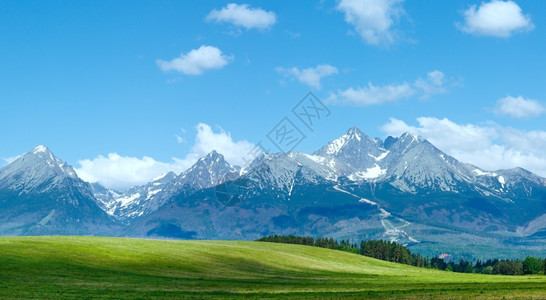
371,94
243,16
196,61
179,136
309,76
434,83
519,107
489,146
373,19
496,18
121,172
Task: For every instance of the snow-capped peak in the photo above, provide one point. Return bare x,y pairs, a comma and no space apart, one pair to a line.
41,155
213,154
354,150
355,133
36,167
40,149
353,136
208,171
410,135
210,160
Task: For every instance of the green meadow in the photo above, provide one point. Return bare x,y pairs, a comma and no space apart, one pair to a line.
97,267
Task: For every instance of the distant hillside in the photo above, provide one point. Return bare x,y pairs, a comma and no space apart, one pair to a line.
88,267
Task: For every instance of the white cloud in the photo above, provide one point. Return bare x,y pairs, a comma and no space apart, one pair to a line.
242,15
432,85
444,133
435,83
221,141
519,107
488,146
371,94
196,61
373,19
496,18
309,76
121,172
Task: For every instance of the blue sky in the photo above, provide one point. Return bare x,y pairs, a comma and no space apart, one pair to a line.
125,90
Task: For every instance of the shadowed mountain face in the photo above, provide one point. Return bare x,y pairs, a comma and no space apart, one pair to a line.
41,195
402,189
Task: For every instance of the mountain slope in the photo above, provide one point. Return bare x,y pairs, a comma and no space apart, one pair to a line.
39,194
137,200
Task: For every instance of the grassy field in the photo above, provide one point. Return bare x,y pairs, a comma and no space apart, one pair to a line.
91,267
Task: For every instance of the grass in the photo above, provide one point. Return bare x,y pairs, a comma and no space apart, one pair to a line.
93,267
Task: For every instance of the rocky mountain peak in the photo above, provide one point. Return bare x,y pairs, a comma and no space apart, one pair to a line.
36,167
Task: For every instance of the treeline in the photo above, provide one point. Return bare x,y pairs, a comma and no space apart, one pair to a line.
530,265
393,252
384,250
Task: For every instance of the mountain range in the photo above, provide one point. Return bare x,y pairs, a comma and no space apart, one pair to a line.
402,189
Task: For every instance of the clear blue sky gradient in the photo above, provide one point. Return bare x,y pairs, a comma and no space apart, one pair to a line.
81,76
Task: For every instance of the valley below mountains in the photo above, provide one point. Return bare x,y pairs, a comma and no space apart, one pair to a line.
401,189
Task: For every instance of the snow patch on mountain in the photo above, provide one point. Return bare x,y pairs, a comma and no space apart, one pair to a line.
392,232
373,172
502,181
479,172
368,174
380,157
336,145
128,199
